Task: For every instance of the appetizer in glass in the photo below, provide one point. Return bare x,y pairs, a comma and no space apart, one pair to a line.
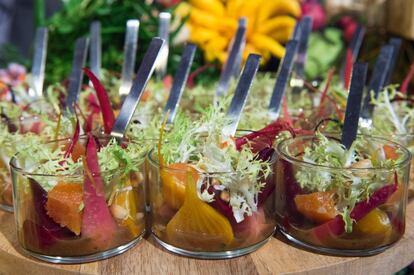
338,201
79,200
209,197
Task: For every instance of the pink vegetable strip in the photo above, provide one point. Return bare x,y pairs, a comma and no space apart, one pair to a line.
336,226
269,133
285,110
106,108
348,68
196,72
325,91
407,79
95,109
74,140
97,222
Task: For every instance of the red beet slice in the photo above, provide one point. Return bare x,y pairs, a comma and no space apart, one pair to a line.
97,222
292,188
269,133
44,228
224,208
254,228
221,205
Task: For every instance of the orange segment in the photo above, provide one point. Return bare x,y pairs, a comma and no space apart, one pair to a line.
375,222
78,152
390,152
318,206
146,95
197,224
63,203
227,143
173,180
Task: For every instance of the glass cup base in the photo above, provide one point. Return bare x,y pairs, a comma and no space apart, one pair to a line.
336,252
88,258
212,255
6,208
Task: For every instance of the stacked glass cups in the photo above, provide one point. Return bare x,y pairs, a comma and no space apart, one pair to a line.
186,224
62,219
309,217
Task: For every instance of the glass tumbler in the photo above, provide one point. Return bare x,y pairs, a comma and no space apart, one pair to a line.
310,218
53,223
186,224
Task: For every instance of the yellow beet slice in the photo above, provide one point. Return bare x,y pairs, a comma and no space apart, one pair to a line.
173,183
197,223
375,222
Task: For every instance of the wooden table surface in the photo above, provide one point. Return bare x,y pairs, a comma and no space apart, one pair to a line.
276,257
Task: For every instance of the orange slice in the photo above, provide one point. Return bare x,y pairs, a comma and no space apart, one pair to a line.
390,152
63,203
318,206
78,152
146,95
197,224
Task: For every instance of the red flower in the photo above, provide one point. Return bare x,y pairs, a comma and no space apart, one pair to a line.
315,10
349,25
14,75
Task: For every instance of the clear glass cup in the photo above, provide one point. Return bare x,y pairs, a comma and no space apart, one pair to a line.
407,140
377,223
187,225
21,125
49,228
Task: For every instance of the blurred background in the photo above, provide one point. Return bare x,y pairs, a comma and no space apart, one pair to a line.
193,20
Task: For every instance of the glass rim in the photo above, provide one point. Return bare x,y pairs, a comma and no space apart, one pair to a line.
388,137
393,135
156,163
295,160
17,168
